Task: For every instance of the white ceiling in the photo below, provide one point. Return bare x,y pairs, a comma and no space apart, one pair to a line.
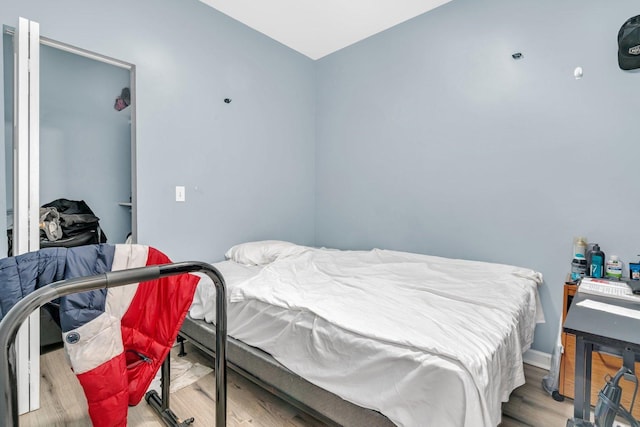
318,28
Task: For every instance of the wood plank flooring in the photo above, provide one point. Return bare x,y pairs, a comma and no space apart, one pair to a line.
530,405
63,402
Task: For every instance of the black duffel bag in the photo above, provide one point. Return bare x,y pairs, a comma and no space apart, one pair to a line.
79,225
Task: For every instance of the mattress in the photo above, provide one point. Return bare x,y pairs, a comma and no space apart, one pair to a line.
412,375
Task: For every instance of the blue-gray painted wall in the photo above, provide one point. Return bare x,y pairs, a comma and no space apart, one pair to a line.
82,135
431,138
248,166
427,137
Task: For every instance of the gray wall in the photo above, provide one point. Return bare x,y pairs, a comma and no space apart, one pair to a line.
248,166
431,138
82,135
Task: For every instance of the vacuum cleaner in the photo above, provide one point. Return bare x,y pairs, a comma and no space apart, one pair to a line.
609,406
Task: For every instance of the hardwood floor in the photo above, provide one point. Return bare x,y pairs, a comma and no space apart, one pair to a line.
63,402
530,405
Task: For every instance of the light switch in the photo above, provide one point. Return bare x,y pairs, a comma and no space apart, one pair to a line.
180,196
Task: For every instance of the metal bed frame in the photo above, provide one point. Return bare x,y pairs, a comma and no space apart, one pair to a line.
20,312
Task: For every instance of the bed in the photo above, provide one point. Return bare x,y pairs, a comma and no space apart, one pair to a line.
374,338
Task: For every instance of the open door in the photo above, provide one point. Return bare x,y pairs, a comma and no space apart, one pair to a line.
26,163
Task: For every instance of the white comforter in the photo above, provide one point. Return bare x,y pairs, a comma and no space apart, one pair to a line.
473,319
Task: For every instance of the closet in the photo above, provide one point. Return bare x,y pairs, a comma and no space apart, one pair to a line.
69,133
85,143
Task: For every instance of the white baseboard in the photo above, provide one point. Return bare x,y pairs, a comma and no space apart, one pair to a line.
537,358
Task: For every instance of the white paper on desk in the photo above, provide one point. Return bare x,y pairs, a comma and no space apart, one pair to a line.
622,311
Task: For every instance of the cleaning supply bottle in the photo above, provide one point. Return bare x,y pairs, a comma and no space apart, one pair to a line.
578,267
595,262
614,267
579,260
580,246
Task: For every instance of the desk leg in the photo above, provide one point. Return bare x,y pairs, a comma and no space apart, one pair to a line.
582,402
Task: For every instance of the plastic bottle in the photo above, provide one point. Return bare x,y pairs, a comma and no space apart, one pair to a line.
595,262
614,267
580,246
578,267
634,270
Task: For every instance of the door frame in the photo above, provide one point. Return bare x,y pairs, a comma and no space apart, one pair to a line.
26,152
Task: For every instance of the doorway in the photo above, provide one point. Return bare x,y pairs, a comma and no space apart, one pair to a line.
87,146
84,150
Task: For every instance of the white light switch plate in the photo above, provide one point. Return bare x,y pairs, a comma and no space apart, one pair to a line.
180,196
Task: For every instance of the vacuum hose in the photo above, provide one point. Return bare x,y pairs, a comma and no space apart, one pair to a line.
608,406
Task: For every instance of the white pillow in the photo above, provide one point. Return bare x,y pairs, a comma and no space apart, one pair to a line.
262,252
